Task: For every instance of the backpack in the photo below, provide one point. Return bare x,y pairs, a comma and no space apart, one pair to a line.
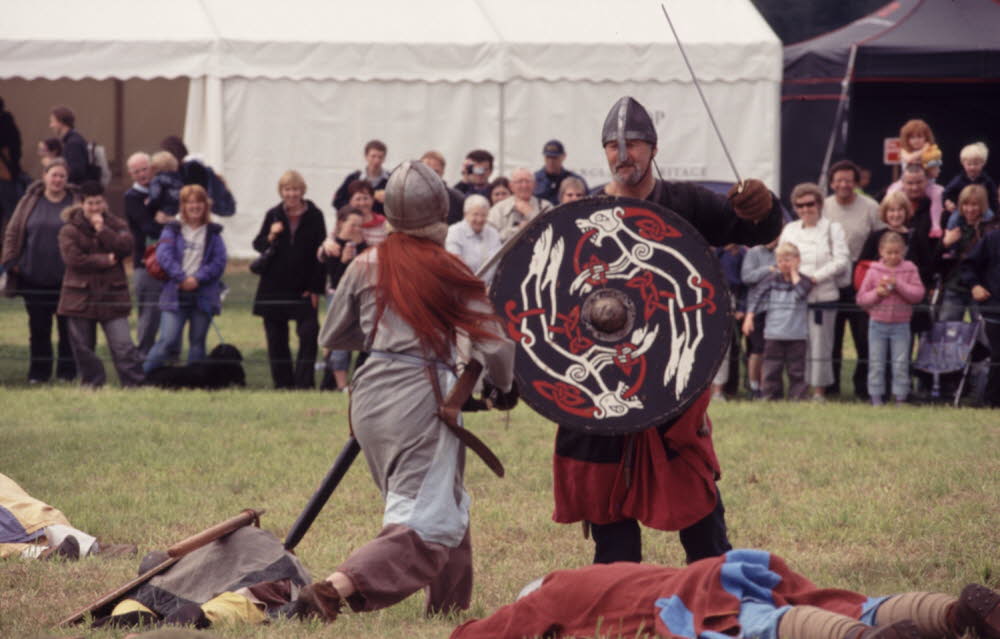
223,202
98,168
195,171
153,265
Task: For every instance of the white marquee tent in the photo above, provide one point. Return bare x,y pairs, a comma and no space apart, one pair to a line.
304,84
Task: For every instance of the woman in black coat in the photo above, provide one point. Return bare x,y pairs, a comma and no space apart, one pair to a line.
291,281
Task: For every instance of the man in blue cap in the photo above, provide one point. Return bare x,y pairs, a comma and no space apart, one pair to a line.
549,177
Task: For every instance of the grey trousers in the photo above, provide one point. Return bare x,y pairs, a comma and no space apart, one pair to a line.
147,297
819,364
789,356
83,340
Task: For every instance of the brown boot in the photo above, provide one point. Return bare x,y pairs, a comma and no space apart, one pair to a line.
978,609
904,629
69,550
319,599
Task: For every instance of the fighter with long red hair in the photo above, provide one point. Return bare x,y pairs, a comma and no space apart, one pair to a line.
408,302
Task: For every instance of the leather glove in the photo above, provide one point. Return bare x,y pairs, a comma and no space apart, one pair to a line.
499,399
754,203
473,405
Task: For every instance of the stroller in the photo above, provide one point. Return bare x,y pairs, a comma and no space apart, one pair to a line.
945,351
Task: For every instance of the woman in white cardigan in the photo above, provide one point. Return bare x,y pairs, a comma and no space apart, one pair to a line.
825,259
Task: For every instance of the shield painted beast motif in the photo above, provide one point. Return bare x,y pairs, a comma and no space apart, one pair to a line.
620,312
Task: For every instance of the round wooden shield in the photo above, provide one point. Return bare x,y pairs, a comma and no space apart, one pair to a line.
620,312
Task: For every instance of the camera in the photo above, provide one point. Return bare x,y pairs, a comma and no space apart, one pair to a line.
473,169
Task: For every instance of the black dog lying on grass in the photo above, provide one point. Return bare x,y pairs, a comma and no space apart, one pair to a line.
220,369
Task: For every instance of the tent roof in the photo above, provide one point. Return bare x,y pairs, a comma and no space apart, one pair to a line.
601,40
112,38
907,39
429,40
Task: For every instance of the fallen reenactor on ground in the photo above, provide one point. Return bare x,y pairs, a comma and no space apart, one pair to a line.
245,577
744,593
172,633
32,529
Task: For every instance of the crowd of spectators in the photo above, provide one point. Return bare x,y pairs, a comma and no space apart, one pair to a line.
885,268
890,269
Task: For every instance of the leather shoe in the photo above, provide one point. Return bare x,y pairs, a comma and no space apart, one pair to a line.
978,608
319,599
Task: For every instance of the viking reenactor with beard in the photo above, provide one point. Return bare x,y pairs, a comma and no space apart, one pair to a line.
407,302
663,477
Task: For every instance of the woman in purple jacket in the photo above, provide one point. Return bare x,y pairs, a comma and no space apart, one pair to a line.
193,255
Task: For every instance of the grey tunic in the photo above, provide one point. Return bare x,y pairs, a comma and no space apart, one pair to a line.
413,457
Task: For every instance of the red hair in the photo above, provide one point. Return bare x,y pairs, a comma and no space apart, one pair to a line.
911,127
429,289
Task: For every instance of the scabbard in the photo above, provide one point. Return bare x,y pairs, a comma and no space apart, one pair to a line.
477,446
451,407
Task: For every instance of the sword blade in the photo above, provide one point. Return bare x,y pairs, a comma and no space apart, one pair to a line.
697,85
322,494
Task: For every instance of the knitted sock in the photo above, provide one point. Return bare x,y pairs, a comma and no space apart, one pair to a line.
929,610
809,622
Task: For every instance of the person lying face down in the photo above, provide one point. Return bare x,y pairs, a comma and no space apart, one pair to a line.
744,593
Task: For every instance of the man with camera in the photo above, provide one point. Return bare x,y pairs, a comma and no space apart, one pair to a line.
476,170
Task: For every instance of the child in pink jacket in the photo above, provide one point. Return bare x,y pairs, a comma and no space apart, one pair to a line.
890,289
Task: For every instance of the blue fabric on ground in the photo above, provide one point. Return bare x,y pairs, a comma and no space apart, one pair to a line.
870,609
11,530
676,616
760,620
746,575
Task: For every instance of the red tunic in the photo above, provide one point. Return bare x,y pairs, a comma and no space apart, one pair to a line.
625,599
664,476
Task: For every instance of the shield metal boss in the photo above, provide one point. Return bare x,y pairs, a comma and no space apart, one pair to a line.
619,310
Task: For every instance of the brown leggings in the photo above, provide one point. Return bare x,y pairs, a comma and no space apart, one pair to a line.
397,563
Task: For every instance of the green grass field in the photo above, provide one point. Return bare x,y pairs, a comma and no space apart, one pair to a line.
875,500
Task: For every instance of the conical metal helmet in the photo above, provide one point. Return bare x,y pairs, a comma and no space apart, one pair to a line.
627,120
415,197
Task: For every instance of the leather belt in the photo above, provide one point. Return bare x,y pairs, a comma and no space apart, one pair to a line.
450,408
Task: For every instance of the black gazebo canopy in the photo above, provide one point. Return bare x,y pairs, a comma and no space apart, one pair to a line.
938,60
